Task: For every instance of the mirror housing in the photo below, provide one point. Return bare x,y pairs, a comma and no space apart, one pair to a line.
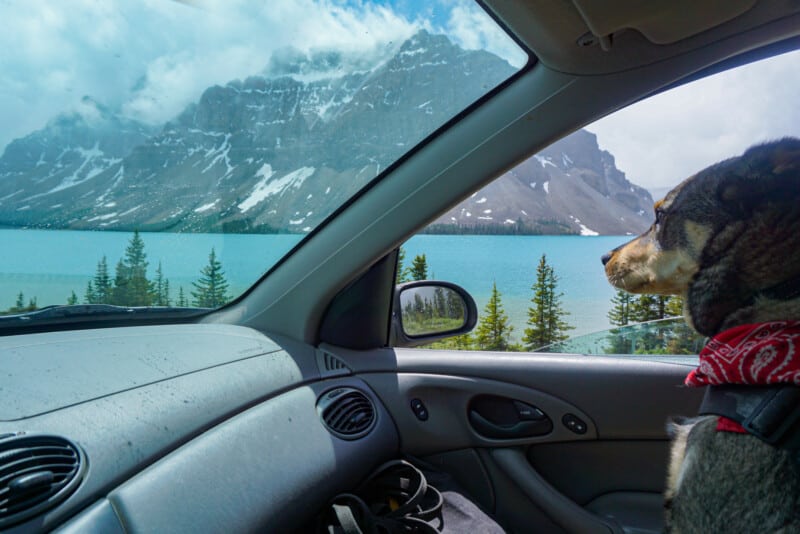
427,310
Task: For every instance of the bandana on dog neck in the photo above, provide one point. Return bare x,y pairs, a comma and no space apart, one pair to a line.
755,354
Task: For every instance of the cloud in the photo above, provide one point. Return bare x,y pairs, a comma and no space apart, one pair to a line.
472,29
662,140
150,58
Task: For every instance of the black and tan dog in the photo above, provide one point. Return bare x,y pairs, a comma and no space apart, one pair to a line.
728,241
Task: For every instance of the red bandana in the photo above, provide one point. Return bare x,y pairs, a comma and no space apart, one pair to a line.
758,354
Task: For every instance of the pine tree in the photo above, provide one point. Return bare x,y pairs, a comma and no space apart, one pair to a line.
101,293
160,287
20,304
402,272
620,313
90,297
545,317
211,287
419,268
131,286
494,330
120,293
73,299
182,301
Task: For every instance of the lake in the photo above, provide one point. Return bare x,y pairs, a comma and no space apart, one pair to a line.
49,264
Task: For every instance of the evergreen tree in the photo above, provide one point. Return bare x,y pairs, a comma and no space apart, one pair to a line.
73,299
545,317
131,286
120,294
419,268
102,284
160,286
90,297
182,301
20,306
620,313
494,330
211,287
402,272
674,307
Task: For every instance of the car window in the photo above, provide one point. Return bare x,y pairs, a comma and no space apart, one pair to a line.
168,153
528,246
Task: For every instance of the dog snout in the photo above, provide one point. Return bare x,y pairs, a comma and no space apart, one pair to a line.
606,257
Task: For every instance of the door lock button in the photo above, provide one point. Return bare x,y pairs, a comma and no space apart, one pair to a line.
574,423
419,409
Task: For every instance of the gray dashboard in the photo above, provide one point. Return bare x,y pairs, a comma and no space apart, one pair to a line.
185,427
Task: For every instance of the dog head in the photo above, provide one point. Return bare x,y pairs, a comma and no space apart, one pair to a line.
721,237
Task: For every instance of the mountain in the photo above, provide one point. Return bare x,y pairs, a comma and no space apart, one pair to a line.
279,151
72,149
571,187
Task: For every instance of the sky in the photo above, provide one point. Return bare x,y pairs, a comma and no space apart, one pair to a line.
662,140
148,59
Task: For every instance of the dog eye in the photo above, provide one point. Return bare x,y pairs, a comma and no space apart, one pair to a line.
659,215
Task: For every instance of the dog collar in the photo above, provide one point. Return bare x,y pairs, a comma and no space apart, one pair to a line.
753,372
755,354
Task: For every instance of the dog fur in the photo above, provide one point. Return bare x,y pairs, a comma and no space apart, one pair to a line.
728,241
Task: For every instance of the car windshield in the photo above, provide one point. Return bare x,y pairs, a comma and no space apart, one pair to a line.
168,153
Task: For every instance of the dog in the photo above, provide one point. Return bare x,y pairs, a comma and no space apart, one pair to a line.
727,240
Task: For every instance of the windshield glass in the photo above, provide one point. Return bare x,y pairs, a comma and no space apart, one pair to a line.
168,153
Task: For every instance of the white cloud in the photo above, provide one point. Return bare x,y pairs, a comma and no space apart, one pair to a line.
662,140
150,58
472,29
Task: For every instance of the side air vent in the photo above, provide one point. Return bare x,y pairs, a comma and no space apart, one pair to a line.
347,412
36,473
330,365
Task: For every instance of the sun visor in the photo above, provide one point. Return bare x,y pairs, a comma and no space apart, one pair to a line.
661,22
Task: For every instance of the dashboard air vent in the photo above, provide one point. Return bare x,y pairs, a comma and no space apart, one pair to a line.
36,473
347,412
330,365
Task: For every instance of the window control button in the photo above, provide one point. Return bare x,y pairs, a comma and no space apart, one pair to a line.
574,423
419,409
526,412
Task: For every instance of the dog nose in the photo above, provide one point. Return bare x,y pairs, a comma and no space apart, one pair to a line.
605,257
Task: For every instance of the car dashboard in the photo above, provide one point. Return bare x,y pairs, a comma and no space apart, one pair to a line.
186,428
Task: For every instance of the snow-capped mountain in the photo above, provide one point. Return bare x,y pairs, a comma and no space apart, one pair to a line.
570,187
279,152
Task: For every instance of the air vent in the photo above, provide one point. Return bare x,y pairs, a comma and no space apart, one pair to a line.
347,412
330,365
36,473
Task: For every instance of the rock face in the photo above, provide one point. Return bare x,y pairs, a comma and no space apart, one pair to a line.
570,187
280,152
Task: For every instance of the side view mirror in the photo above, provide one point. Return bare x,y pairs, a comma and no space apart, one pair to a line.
427,310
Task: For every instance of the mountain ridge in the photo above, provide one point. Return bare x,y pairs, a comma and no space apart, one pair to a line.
277,154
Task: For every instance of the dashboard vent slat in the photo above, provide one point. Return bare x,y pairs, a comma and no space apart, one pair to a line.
347,412
36,473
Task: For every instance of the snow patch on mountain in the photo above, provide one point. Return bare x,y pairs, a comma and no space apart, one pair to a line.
267,187
544,161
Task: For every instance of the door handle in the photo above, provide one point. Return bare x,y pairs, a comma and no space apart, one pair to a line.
520,429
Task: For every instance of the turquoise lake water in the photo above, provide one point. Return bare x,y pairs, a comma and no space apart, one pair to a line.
49,264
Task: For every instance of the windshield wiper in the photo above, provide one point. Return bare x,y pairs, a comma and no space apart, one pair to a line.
97,312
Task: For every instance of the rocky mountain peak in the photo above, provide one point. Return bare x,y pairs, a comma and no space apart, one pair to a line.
280,150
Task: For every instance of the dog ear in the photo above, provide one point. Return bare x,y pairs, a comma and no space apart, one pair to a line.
765,174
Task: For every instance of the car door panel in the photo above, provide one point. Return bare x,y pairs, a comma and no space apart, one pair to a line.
607,479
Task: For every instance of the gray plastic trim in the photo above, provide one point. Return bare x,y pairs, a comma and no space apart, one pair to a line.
560,509
99,518
268,469
447,398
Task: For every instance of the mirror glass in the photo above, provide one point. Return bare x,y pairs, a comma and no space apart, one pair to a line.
430,310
